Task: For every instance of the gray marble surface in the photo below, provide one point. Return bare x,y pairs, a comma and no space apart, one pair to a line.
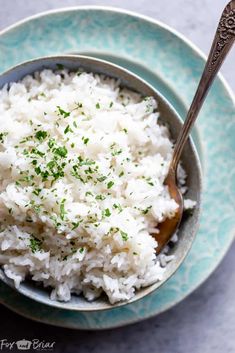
205,321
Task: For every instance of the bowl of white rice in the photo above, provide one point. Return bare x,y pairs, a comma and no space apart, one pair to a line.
85,147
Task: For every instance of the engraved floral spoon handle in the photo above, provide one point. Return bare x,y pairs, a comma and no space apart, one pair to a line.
223,41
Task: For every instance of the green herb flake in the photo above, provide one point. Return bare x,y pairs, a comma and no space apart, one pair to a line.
37,152
51,143
100,197
89,193
121,174
61,151
62,209
78,105
116,153
37,170
124,235
85,140
107,212
81,250
34,162
76,225
62,112
118,207
102,178
85,162
97,105
41,135
35,244
67,129
149,181
146,210
37,191
2,136
111,104
110,184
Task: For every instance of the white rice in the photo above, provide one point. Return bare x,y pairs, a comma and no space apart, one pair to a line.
81,186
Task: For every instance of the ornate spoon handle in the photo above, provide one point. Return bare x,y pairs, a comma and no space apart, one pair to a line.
223,41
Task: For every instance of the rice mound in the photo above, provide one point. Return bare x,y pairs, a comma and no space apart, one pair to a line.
81,185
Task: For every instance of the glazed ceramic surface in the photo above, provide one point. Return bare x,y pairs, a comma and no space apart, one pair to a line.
172,65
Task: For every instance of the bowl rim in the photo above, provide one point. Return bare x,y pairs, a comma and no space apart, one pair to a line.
145,291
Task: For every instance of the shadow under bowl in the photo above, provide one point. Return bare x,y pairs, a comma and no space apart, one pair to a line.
190,160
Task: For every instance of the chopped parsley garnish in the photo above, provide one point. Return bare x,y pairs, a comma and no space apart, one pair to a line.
62,209
85,162
78,105
37,152
125,130
146,210
76,175
124,235
37,170
97,105
110,184
2,136
76,225
55,221
149,181
107,212
41,135
35,244
118,207
111,104
115,153
67,129
102,178
81,250
100,197
85,140
121,174
37,191
62,112
89,193
51,143
61,151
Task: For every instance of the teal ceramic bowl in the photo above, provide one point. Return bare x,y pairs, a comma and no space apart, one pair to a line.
189,225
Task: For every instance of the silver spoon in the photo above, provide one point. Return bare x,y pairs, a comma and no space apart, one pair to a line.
223,41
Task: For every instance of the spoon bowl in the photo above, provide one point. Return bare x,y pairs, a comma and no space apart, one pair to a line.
190,160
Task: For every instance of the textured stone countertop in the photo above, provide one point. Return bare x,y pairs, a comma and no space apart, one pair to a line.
205,321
